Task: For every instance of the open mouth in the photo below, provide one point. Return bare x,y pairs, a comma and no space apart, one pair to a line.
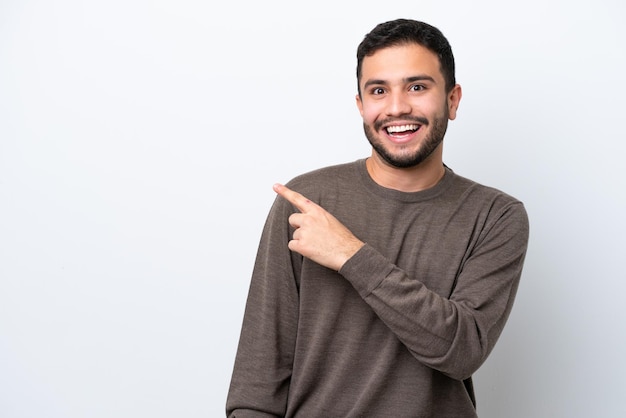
402,130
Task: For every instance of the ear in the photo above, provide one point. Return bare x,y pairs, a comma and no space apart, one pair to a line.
359,104
454,97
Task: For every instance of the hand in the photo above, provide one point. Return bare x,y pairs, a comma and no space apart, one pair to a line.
319,236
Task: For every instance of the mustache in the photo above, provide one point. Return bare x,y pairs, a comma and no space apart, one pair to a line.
417,119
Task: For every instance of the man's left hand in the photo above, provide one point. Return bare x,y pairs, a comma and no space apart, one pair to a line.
318,235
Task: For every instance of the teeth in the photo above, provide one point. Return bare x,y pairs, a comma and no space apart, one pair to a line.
402,128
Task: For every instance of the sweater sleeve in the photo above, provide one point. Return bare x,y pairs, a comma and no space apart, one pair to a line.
453,335
263,363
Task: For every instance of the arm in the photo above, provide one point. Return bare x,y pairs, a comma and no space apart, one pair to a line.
263,364
451,334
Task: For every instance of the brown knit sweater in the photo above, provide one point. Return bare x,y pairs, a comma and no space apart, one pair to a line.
400,329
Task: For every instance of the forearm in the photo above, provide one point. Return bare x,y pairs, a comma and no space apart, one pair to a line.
454,332
249,413
263,364
264,360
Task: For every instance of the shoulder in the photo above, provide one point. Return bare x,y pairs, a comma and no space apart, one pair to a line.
490,203
325,180
464,186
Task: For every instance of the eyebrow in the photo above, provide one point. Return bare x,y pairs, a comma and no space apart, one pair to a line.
406,80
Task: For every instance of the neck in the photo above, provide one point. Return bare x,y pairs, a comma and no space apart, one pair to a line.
413,179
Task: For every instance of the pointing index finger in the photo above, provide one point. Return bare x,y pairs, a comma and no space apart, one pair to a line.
300,202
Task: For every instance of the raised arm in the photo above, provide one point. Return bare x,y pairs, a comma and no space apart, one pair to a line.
452,334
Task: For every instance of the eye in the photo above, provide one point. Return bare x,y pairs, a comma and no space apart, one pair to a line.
417,87
378,91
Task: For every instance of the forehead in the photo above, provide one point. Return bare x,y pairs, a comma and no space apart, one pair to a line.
400,62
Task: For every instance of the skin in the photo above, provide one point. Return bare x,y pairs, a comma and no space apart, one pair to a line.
403,85
400,85
318,235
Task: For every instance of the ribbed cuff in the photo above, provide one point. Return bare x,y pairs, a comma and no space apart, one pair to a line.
366,269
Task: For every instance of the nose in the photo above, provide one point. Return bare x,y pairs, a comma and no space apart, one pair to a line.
398,104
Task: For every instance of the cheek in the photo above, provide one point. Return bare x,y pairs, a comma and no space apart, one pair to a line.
370,114
434,110
430,107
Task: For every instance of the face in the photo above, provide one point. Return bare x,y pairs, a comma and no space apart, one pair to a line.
404,104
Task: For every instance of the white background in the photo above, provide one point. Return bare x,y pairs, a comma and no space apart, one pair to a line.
139,141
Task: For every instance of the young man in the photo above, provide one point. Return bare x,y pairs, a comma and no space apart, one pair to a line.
381,285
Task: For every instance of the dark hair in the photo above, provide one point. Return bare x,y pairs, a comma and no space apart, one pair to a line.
405,31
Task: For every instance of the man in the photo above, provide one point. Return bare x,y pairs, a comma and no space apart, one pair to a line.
381,285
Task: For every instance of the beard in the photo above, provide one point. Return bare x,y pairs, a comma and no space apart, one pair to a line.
405,158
